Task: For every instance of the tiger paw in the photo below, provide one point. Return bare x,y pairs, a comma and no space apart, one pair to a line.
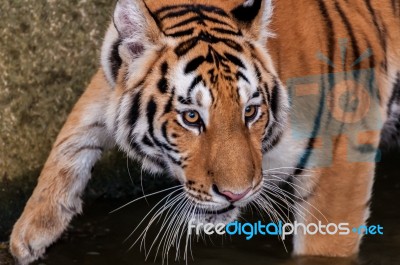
36,229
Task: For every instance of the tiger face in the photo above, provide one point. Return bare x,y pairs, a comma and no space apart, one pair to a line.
196,95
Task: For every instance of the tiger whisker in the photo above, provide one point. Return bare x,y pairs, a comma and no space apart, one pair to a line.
301,199
141,179
296,177
289,205
191,214
173,217
178,236
273,202
278,193
169,217
254,204
156,217
261,204
277,213
188,239
148,195
266,202
293,168
276,203
152,209
293,185
169,239
158,214
267,173
129,172
309,177
265,206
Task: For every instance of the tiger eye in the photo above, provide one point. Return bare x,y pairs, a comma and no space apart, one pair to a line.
191,117
250,112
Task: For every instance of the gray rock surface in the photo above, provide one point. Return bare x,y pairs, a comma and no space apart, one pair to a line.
48,52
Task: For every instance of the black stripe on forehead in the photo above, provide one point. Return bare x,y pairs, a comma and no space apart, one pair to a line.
194,64
199,19
180,33
186,46
205,36
233,45
180,10
234,60
216,58
227,31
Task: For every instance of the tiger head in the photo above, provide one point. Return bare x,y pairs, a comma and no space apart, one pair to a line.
196,95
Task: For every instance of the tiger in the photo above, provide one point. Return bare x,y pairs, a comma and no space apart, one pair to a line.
234,99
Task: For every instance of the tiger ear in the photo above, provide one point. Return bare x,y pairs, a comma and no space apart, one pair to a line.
253,17
136,27
132,31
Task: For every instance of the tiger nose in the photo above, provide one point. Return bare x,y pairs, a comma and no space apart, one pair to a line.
230,196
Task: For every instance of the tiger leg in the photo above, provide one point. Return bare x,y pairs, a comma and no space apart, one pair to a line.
341,189
56,198
341,194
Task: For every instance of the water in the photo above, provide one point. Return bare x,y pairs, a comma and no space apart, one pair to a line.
97,236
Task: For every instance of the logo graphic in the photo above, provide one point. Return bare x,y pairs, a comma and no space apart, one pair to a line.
340,104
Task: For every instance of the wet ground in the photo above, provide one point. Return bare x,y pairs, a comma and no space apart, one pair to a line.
97,237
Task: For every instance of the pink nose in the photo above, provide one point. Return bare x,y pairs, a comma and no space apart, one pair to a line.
233,197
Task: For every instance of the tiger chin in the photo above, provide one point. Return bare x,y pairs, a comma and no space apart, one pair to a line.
194,89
